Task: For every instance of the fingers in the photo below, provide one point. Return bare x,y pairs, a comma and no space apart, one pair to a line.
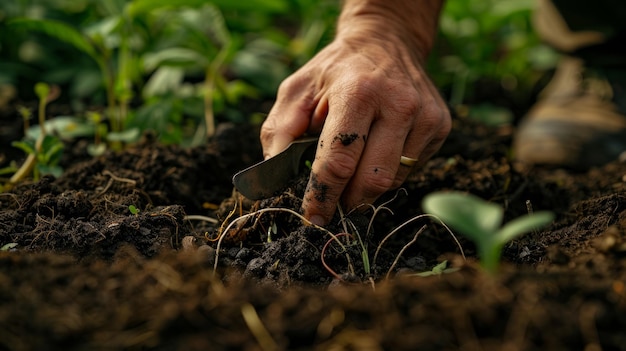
339,151
290,117
379,165
360,171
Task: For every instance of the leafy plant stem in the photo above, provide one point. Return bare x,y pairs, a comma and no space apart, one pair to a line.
364,254
209,87
490,257
42,90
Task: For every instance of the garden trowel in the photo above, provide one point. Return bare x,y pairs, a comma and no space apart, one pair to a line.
267,177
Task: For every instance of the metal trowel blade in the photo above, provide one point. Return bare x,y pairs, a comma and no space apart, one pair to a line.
268,177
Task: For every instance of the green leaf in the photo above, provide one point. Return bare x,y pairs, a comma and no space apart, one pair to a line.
58,30
523,225
139,7
133,209
96,150
127,136
9,246
56,171
469,214
66,127
51,149
439,268
25,146
8,170
175,56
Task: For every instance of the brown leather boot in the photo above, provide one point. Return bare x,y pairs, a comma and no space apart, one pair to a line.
575,124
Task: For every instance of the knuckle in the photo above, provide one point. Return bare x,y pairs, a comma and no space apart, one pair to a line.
435,118
379,182
340,166
292,86
363,89
268,131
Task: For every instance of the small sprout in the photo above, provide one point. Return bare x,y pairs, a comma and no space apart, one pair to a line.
439,269
272,230
42,90
481,222
26,114
133,210
8,247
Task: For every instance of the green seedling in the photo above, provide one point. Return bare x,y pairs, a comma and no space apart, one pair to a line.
46,158
133,210
439,269
481,222
44,150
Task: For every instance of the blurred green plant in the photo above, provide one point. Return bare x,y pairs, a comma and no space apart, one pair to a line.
488,40
170,66
481,222
43,150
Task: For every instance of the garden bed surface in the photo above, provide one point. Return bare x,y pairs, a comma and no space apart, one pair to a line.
88,274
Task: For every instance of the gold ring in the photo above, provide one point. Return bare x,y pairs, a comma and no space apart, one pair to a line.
407,161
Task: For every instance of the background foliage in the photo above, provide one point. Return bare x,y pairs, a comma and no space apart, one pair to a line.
173,65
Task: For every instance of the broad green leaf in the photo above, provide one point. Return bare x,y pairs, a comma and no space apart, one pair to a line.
54,170
58,30
96,150
51,149
523,225
138,7
66,127
164,80
175,56
469,214
106,32
128,136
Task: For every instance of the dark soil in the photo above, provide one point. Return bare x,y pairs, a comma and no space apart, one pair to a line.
87,274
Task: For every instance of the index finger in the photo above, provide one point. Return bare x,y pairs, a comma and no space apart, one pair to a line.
339,151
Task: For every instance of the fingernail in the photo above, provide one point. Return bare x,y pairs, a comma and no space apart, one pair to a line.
317,220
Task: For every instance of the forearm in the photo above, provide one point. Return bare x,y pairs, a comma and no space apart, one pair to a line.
413,22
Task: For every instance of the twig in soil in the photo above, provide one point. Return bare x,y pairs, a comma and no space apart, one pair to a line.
201,218
330,270
254,323
529,209
393,265
114,178
230,214
14,197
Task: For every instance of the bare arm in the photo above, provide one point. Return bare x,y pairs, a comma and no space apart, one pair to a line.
370,100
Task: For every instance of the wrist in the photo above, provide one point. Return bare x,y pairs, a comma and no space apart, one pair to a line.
412,23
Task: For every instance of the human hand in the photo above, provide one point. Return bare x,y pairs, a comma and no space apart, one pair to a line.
371,102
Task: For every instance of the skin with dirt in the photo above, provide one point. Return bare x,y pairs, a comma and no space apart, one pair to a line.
83,272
